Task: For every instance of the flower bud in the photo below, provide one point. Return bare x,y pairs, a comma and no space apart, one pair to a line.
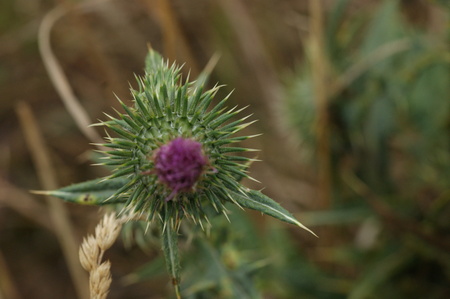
179,164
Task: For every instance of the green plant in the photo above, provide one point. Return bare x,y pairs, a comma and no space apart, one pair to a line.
388,121
172,158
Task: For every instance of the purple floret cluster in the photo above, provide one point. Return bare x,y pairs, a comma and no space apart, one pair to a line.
179,164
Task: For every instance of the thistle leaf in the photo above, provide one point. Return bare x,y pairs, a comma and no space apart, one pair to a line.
94,192
170,248
255,200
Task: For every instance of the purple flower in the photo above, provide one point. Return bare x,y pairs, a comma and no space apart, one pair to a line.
179,164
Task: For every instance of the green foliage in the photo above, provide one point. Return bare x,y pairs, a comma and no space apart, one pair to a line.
169,238
94,192
389,113
257,201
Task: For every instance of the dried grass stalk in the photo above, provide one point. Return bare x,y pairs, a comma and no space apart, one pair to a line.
91,253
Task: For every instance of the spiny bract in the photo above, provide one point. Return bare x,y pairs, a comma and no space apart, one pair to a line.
171,121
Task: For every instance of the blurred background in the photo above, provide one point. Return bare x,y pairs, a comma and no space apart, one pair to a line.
352,98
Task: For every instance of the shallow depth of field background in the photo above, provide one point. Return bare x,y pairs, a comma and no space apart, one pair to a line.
365,163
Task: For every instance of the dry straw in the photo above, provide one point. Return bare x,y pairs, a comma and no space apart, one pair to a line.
92,251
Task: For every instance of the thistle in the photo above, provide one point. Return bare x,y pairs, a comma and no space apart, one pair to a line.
174,156
172,152
179,165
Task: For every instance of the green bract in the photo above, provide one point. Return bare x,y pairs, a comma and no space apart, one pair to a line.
169,113
164,110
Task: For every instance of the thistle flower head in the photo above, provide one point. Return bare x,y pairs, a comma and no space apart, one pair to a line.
173,154
173,147
179,164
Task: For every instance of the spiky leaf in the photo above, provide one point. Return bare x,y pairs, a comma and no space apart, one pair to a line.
93,192
255,200
169,237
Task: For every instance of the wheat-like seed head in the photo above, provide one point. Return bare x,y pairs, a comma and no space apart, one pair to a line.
91,253
100,281
107,231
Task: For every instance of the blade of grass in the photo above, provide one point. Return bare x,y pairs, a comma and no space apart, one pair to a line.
7,287
58,77
24,204
319,65
58,213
